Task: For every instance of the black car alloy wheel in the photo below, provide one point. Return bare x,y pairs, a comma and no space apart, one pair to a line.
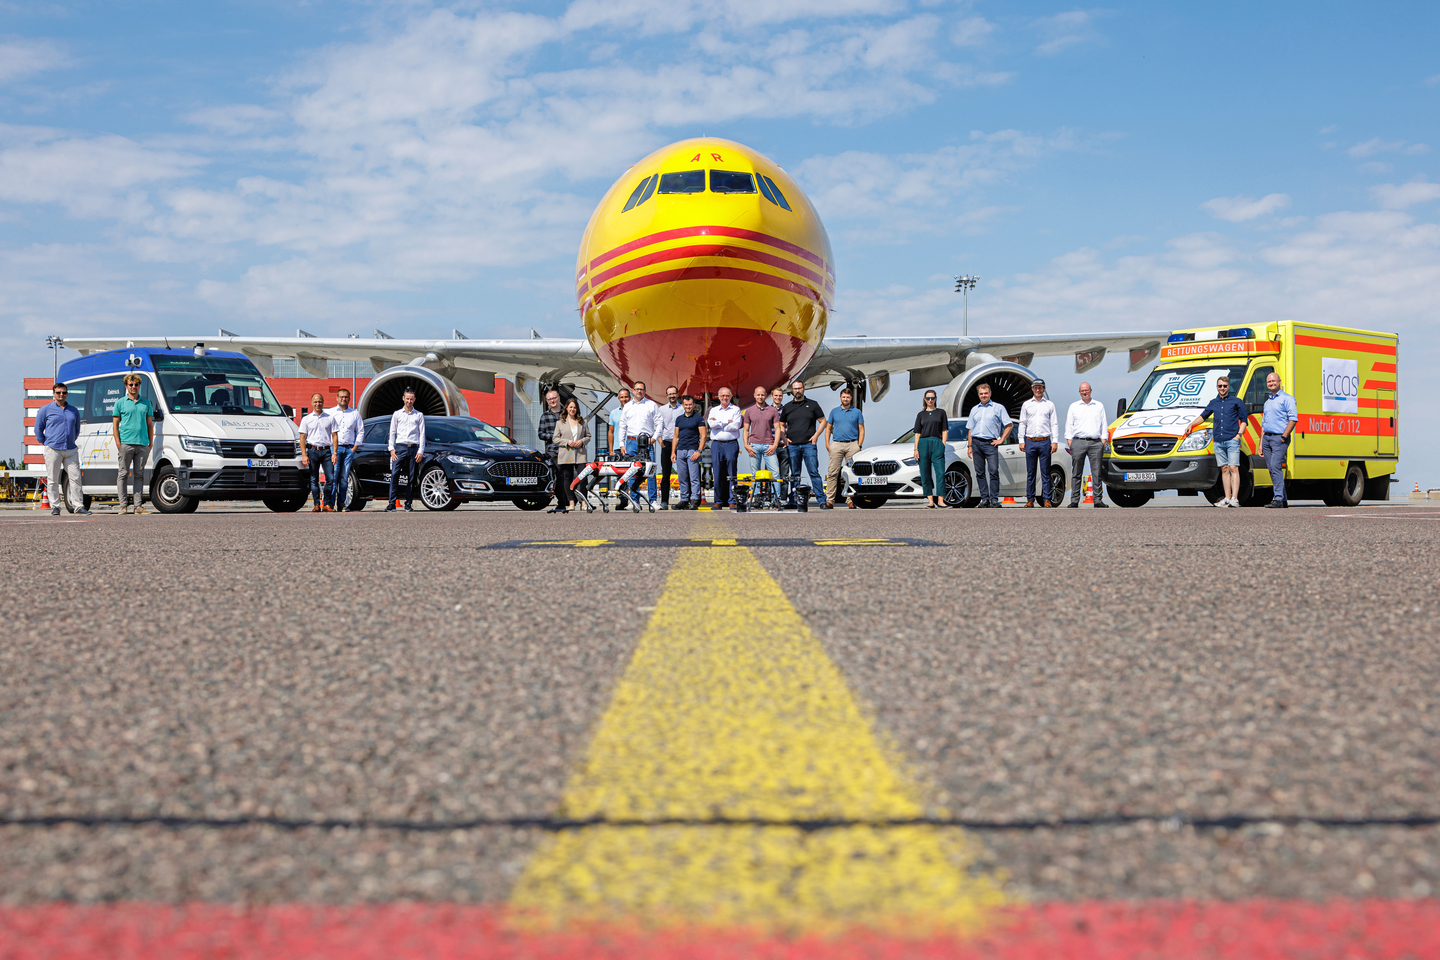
435,489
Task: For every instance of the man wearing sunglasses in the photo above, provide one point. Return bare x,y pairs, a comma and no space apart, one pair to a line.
57,426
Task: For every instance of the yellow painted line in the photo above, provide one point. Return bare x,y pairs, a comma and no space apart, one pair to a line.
565,543
730,708
873,542
716,541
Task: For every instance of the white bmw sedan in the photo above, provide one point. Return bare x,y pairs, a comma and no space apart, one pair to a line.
878,474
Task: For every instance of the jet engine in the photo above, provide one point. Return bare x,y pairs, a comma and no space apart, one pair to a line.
1009,386
435,395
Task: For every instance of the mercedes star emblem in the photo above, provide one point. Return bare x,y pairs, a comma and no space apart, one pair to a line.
1142,445
259,449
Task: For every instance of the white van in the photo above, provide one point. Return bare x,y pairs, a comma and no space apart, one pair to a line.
219,432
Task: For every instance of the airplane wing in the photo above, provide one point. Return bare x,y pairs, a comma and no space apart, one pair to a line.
935,361
471,364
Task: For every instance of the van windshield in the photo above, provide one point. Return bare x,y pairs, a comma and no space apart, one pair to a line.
214,385
1185,386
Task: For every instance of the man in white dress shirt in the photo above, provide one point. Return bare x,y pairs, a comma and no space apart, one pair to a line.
407,448
639,428
317,450
725,421
1040,433
1085,426
349,431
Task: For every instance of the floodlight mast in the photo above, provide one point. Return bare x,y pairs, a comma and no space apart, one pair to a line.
56,344
964,285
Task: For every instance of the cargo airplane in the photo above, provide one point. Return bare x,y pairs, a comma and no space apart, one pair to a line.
705,265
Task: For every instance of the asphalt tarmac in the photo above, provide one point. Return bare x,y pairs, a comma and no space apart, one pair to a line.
1117,704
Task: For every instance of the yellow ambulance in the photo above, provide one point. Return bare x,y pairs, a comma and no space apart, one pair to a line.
1343,450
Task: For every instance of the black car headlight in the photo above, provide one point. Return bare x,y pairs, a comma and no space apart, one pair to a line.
463,461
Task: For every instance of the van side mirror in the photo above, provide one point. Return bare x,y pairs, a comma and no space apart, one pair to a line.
158,416
1255,407
1120,407
288,410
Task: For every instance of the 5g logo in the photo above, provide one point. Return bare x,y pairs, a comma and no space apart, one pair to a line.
1185,389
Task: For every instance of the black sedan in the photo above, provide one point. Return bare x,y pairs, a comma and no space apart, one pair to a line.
465,459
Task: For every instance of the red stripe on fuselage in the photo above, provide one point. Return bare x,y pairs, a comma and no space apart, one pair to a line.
734,232
710,273
707,250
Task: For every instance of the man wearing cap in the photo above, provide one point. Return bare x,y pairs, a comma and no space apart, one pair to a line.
1039,430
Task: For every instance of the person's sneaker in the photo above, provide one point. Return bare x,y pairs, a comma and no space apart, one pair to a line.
54,511
124,510
1223,502
85,511
409,509
138,509
1073,504
665,506
1101,505
390,508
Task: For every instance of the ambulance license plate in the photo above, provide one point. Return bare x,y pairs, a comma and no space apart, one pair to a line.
873,481
1147,476
522,481
262,463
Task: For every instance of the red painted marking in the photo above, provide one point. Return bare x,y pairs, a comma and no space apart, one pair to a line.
704,359
1376,404
733,232
706,250
1358,345
1377,367
710,273
1346,426
1163,930
1378,385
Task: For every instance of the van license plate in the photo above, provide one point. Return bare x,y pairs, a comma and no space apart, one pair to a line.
872,481
523,481
1145,477
262,463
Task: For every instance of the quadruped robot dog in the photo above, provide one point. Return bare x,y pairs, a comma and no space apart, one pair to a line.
624,470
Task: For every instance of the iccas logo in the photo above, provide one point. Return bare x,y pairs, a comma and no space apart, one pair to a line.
1339,385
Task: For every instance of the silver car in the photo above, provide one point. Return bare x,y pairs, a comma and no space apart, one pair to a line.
878,474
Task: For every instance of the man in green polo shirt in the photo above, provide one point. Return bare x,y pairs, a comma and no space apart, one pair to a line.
134,426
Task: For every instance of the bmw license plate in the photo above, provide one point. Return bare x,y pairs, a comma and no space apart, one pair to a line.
1147,476
262,463
522,481
872,481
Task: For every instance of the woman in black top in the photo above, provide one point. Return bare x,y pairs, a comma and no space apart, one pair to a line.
931,432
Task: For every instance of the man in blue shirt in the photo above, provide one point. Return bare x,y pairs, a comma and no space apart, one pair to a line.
1229,413
57,426
989,427
844,436
1276,426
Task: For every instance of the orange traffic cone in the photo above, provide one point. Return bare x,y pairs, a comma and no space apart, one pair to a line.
44,494
1089,490
1008,500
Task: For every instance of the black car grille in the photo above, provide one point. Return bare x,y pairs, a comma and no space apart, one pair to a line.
886,467
239,478
862,468
245,449
1153,446
518,468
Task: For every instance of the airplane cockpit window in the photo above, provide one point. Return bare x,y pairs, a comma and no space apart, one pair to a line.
635,196
731,181
649,190
688,181
772,192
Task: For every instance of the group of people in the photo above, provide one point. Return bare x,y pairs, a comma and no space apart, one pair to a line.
57,427
329,439
673,435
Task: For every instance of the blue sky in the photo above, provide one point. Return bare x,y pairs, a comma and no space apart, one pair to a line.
174,167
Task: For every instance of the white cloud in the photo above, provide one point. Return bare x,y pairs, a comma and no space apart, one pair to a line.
875,197
1375,145
971,32
1433,80
1240,209
1399,196
1065,30
22,58
235,119
88,176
